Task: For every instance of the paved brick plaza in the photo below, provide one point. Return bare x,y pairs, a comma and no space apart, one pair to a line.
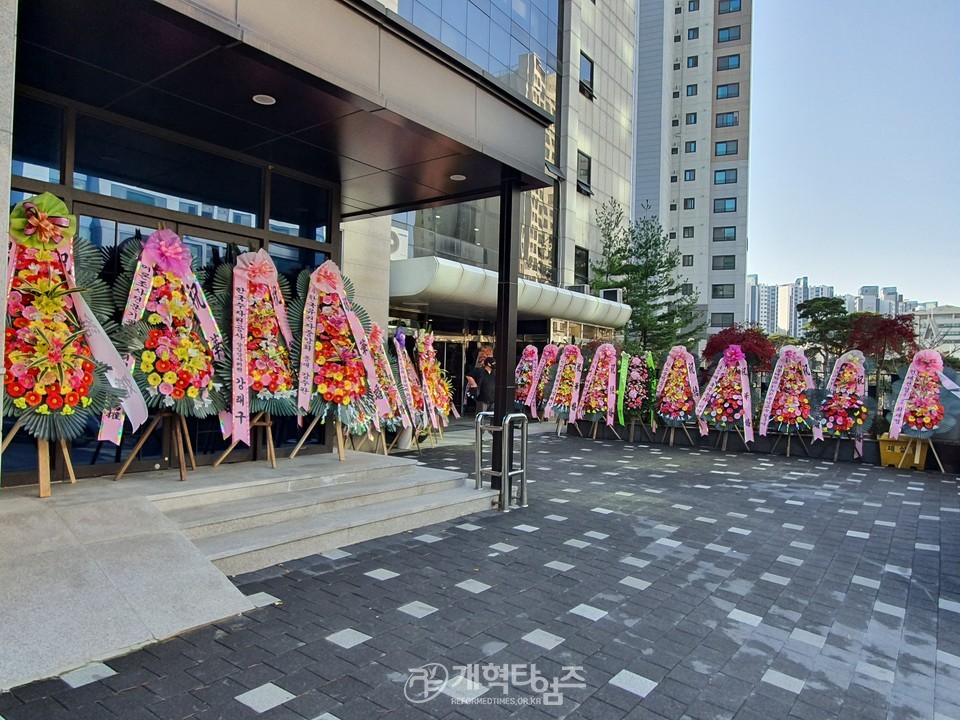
675,583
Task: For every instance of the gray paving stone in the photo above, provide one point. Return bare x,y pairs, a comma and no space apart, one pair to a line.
265,697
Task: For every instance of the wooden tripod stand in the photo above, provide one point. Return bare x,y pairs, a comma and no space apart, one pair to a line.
182,447
43,458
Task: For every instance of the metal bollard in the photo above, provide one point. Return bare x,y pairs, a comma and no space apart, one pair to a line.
478,430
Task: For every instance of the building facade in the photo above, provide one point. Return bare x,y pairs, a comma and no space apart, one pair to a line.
246,125
692,142
573,59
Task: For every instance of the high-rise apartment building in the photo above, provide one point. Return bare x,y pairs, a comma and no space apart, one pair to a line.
692,141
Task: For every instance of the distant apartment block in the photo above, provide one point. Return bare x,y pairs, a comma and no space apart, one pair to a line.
692,142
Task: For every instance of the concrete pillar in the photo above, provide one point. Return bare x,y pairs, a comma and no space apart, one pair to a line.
366,261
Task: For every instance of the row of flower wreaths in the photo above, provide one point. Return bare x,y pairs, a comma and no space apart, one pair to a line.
79,352
623,389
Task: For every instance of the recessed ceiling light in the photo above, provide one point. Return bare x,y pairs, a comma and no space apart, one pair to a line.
261,99
458,178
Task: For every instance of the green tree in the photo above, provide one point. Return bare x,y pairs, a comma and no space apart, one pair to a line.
639,257
828,327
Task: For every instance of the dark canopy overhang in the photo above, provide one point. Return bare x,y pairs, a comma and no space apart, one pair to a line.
196,76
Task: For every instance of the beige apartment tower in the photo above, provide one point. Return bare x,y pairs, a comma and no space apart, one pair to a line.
692,142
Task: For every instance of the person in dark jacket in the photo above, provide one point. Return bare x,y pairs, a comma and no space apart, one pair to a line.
482,381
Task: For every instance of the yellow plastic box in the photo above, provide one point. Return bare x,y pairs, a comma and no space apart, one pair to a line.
891,452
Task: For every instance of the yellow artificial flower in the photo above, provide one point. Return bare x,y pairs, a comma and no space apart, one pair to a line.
157,281
154,319
170,377
153,379
146,367
192,392
148,356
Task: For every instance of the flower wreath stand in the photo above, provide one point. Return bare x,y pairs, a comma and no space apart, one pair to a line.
633,394
844,410
61,371
397,418
599,397
562,402
540,380
726,403
172,342
678,393
411,389
921,411
787,402
257,364
338,377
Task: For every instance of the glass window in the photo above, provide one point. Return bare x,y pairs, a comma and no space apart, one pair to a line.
693,61
583,172
726,147
125,163
291,259
673,178
299,209
37,140
728,62
673,235
724,234
688,261
689,203
676,66
730,90
728,34
693,5
691,118
674,151
724,262
673,206
688,231
586,76
690,146
686,289
675,123
721,320
691,90
724,291
728,6
581,265
724,177
676,38
689,175
724,205
693,33
728,119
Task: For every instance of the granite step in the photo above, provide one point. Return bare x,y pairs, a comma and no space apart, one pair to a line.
291,503
257,547
258,479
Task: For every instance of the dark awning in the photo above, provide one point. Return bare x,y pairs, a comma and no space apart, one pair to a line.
145,61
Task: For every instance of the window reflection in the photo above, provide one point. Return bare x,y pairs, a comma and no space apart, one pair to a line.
37,135
125,163
292,259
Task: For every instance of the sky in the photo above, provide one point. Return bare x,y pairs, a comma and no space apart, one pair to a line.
855,145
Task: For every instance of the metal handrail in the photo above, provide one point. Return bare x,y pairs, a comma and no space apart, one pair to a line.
508,422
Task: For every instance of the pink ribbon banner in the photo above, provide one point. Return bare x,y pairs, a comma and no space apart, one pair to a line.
740,362
788,353
548,356
379,352
404,366
571,354
258,268
607,352
103,349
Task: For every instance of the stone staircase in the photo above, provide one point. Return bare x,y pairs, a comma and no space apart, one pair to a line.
315,505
